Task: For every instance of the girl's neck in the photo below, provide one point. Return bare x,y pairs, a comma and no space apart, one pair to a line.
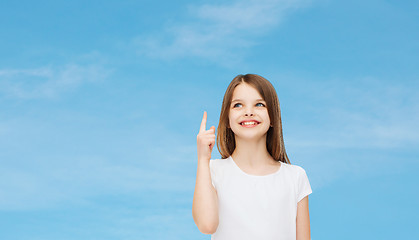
252,154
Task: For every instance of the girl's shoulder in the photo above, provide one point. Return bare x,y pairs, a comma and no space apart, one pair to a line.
220,165
219,162
294,169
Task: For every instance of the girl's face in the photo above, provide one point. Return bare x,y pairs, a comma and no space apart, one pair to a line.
248,105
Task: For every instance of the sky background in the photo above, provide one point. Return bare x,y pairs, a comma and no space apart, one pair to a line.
101,102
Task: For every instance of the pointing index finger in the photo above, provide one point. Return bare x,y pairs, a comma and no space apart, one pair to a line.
203,122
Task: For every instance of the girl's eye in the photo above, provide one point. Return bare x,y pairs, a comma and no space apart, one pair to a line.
256,104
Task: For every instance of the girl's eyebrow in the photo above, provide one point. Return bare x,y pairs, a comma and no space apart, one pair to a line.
236,100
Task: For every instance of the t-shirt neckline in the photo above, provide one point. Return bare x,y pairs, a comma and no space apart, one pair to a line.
256,176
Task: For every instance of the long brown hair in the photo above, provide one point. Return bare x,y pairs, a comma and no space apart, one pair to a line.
274,138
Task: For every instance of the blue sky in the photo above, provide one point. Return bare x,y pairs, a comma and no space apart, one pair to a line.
101,102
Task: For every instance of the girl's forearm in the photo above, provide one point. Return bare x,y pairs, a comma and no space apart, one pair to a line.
205,200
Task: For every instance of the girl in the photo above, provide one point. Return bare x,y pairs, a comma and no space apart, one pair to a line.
253,192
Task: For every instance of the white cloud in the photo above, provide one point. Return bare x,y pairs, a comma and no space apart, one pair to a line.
345,127
217,32
45,180
47,81
51,183
245,15
362,113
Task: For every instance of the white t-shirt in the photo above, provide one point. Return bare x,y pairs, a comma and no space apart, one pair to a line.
257,207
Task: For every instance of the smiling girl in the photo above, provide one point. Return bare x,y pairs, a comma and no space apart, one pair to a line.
253,192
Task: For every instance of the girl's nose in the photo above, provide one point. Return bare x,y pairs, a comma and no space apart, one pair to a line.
248,111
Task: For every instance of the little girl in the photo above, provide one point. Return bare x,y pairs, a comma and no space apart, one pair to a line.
253,192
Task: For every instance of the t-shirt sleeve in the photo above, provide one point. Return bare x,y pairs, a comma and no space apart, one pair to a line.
213,169
304,187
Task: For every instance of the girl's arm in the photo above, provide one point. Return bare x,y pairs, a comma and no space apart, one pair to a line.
205,200
303,220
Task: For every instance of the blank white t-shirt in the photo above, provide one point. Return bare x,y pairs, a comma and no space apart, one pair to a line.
257,207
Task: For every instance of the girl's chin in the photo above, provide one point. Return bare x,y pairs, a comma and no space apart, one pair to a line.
249,136
248,131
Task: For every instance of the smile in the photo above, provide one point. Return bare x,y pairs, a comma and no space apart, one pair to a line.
249,124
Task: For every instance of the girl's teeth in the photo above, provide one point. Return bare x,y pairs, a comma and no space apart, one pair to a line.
249,123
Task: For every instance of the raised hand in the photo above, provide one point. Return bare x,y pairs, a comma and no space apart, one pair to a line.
205,140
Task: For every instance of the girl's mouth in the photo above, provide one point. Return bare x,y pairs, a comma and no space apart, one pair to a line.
249,124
